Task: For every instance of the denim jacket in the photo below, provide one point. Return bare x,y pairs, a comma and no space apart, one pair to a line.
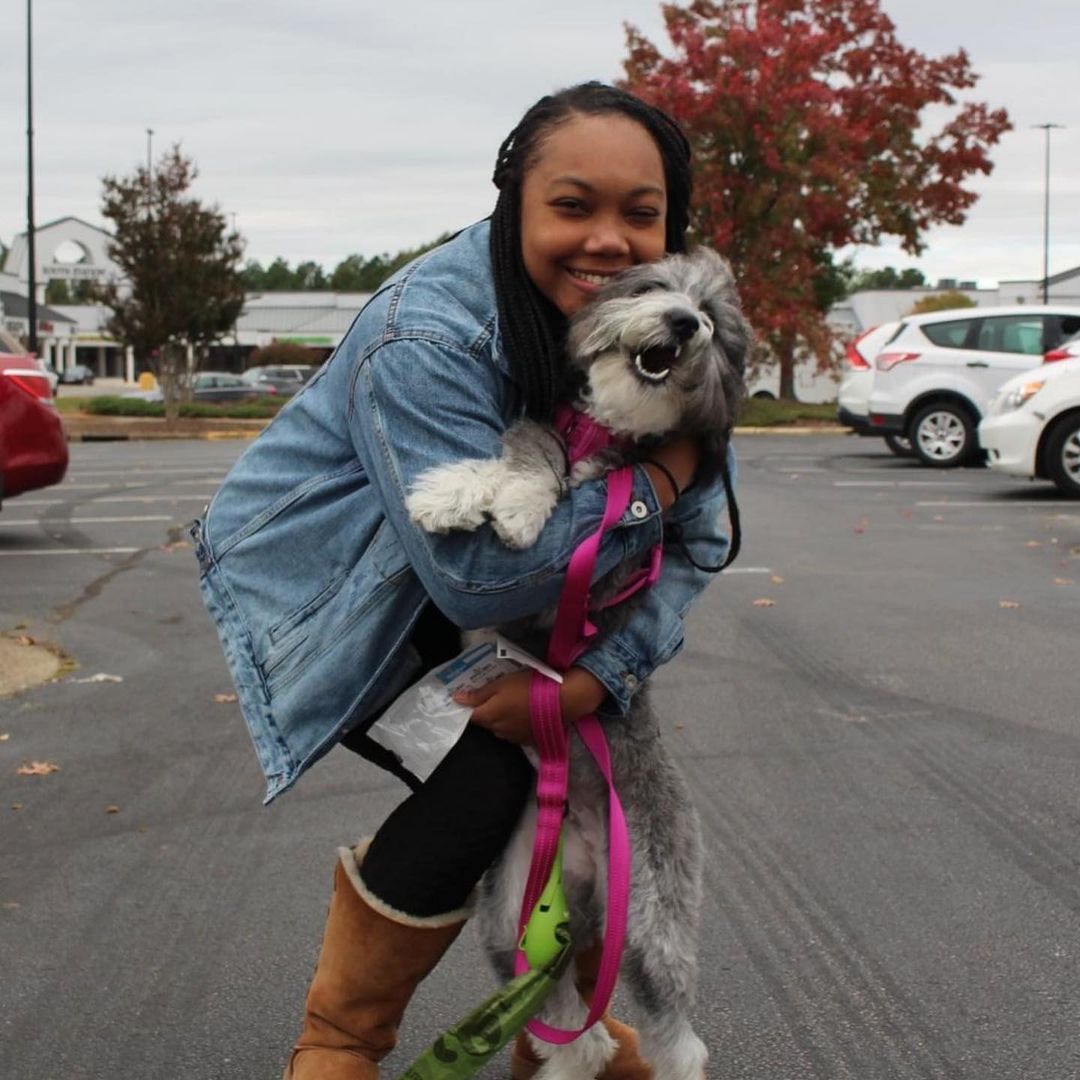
311,569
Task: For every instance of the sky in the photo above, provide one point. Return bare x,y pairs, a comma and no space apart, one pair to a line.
335,127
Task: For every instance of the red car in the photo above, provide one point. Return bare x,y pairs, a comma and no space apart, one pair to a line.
33,449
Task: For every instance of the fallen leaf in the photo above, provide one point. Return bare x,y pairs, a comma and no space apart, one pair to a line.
25,639
1008,604
679,727
10,905
764,602
112,809
16,806
222,698
938,517
861,527
1033,543
20,626
100,677
776,579
1057,581
5,736
37,768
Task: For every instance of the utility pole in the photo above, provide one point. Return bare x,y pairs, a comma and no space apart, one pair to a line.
30,247
1046,212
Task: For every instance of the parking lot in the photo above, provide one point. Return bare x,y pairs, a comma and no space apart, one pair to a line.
876,707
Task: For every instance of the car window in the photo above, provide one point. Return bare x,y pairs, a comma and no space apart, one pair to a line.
950,335
1011,334
230,380
203,381
1062,329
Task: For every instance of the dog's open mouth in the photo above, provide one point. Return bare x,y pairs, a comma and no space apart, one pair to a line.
655,364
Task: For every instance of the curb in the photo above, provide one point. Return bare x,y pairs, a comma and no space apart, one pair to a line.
133,430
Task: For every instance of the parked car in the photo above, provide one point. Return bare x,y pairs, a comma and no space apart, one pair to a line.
285,378
33,449
853,397
50,371
214,386
935,377
1033,428
78,375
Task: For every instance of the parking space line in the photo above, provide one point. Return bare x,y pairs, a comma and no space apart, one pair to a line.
86,521
898,483
748,570
996,503
74,551
121,499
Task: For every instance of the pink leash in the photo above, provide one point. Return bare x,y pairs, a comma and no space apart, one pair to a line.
569,638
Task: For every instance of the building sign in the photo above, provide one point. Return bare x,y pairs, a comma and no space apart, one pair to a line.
74,273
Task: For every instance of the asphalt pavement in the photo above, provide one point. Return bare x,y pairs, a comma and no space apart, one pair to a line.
876,709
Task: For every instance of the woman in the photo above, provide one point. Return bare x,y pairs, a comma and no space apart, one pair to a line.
329,601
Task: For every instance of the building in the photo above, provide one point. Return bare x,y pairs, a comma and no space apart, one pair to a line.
72,250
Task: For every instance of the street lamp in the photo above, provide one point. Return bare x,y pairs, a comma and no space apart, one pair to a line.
30,250
1046,211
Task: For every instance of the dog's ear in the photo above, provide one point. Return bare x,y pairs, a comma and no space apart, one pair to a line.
722,301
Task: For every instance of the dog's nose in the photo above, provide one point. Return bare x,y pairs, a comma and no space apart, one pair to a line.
684,324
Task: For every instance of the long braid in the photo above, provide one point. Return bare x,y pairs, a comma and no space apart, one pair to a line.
532,328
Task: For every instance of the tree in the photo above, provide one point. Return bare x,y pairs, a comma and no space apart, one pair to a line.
805,120
887,278
182,288
944,301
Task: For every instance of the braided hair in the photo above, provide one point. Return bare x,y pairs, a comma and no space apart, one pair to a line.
532,327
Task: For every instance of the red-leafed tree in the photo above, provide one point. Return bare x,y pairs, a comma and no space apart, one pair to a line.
807,120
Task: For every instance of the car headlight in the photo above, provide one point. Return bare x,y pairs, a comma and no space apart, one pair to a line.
1014,399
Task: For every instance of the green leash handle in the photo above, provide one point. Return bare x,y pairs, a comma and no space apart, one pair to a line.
540,942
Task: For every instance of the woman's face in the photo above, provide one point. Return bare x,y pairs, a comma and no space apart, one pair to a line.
592,204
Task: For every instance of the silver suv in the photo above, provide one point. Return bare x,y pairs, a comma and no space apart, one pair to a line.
935,377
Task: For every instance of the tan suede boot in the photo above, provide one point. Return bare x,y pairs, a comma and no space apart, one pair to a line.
627,1064
371,962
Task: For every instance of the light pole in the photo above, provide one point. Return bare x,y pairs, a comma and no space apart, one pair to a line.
30,248
1046,211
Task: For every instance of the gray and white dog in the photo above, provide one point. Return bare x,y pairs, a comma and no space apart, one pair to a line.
660,351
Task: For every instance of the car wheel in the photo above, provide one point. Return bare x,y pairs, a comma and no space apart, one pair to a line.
1063,456
900,445
943,435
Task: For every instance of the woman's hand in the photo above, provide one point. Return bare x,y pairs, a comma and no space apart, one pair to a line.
502,706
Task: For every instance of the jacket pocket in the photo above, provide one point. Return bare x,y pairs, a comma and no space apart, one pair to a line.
295,617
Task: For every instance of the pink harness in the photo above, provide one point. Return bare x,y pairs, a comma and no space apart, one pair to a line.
569,639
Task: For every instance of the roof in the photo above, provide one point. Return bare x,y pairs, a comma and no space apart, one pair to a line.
18,307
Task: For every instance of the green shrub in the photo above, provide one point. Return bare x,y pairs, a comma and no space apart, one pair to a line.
111,405
764,412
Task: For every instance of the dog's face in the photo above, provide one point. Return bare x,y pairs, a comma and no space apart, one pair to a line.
663,349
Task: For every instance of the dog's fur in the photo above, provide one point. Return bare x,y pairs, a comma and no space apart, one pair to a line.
680,314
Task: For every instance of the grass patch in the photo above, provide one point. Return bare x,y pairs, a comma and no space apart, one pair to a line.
110,405
763,412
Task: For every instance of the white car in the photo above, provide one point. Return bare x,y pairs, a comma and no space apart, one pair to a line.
935,378
853,397
1034,425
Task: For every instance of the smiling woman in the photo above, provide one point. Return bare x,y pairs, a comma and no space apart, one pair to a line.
443,359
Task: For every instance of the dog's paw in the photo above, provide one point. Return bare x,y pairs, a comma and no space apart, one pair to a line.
590,468
453,497
520,527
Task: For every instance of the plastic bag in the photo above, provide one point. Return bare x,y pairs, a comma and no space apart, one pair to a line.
424,723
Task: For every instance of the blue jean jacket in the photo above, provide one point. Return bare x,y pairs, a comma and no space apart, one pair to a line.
312,571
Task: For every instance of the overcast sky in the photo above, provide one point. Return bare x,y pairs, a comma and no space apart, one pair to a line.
337,126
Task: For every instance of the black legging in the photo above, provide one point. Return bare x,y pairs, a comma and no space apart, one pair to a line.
433,848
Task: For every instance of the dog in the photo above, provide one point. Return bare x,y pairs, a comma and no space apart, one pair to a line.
660,351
